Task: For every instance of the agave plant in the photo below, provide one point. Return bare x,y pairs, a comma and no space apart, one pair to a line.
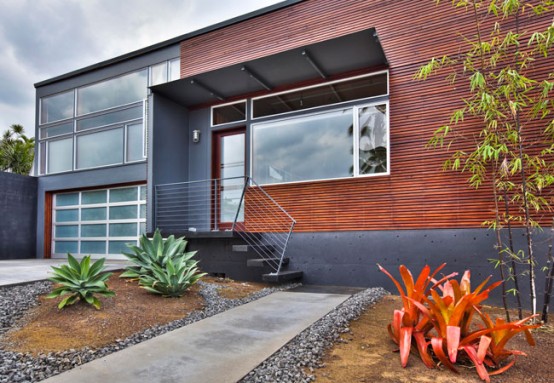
172,279
81,280
156,252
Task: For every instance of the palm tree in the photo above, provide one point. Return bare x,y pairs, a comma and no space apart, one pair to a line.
17,151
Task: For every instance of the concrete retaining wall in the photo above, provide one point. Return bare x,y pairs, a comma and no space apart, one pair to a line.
18,213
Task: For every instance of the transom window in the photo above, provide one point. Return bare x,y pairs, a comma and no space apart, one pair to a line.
98,222
334,92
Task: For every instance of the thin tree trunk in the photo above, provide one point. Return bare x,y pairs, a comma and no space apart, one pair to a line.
499,246
513,269
528,232
548,286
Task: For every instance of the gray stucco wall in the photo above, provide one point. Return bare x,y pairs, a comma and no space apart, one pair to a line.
168,148
18,208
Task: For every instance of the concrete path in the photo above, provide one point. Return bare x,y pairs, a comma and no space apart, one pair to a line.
14,272
220,349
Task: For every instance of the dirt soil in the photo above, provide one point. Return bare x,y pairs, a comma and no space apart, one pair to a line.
366,355
46,329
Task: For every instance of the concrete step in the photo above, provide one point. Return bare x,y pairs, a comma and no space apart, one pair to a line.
283,276
261,262
266,249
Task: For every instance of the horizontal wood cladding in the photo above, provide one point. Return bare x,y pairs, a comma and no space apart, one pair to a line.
417,194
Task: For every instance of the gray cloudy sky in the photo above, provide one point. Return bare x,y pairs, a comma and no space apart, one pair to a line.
40,39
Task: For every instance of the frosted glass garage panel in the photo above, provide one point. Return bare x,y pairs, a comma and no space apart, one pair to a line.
94,214
67,231
94,197
100,149
123,195
63,247
67,199
93,247
69,215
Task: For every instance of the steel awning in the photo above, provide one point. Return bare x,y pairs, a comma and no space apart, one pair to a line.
356,51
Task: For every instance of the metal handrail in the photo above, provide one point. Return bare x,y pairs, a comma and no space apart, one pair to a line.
197,206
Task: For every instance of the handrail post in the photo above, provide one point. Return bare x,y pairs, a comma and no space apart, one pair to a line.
216,197
240,203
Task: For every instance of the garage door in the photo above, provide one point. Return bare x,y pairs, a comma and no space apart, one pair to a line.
98,222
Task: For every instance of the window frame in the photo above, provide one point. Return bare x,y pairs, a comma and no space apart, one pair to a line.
355,106
40,123
245,101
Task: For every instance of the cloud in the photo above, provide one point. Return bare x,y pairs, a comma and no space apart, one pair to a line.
41,39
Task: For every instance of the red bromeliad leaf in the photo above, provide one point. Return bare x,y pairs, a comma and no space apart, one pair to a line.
437,345
422,348
503,368
481,370
422,281
400,289
407,279
465,284
452,342
483,348
405,344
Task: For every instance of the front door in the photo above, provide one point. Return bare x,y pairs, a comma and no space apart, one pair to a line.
228,173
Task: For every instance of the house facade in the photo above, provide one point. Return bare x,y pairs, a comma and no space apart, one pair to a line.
296,129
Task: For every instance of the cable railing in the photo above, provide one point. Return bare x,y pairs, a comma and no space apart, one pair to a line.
235,204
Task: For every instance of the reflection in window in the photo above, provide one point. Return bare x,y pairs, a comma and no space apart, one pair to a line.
60,155
99,149
111,93
57,107
304,148
110,118
322,146
57,130
373,136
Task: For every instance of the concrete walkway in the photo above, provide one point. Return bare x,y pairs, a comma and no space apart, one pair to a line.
220,349
14,272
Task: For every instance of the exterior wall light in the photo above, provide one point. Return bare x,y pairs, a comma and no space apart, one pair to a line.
196,136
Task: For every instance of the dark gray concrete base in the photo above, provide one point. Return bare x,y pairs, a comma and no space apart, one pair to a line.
350,258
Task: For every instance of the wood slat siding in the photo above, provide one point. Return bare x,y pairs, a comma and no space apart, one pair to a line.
417,194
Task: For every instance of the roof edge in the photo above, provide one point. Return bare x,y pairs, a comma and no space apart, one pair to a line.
166,43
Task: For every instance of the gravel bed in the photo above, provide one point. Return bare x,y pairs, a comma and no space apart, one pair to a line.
26,368
305,351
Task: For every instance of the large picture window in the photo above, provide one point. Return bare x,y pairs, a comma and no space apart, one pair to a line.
333,144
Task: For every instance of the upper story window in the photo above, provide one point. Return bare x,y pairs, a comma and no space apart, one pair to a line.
57,107
330,93
165,71
117,91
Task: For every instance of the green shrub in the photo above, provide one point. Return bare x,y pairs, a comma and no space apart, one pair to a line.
172,279
156,252
81,280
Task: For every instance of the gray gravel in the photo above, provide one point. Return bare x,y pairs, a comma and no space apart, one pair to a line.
287,365
306,350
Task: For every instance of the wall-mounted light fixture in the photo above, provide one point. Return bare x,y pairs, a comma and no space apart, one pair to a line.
196,136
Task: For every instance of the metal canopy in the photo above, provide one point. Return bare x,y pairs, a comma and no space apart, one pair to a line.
343,54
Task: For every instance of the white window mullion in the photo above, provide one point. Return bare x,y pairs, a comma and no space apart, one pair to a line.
356,143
